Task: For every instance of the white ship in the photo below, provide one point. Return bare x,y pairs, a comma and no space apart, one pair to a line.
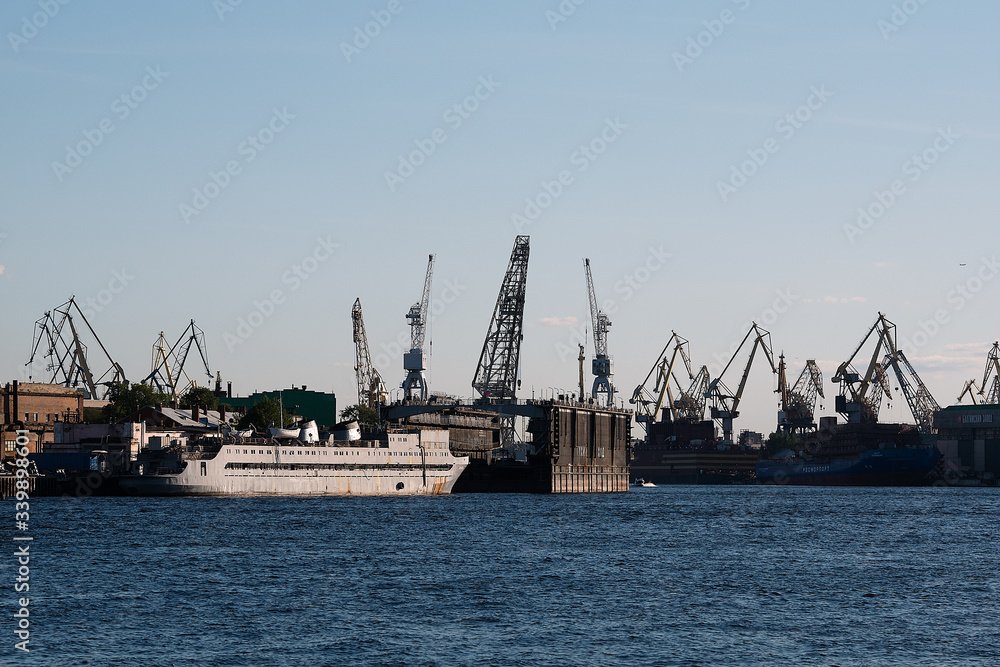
398,463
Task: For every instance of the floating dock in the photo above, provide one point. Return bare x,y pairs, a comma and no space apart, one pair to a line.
571,447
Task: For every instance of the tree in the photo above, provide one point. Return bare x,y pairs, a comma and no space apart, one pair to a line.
203,397
776,442
262,414
126,396
359,413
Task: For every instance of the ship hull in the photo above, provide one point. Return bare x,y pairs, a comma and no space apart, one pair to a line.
876,467
401,465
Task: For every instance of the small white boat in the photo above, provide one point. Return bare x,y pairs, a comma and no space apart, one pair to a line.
640,482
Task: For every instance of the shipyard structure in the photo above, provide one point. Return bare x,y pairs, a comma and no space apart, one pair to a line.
566,444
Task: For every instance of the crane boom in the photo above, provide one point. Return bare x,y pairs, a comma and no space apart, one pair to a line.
371,389
989,389
918,396
972,389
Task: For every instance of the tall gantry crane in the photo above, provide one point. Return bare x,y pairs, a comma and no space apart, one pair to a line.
371,389
415,384
990,387
496,374
725,405
650,402
860,397
602,365
167,366
67,354
798,403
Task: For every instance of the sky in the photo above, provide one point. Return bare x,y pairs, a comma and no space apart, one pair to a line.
257,166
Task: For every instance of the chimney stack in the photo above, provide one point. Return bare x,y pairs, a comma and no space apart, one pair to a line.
229,390
194,413
15,415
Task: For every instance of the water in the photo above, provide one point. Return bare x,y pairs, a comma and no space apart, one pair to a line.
666,576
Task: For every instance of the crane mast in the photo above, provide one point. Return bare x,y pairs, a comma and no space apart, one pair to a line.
602,365
725,406
371,389
496,373
415,384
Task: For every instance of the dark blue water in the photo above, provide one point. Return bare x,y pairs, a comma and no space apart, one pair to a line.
667,576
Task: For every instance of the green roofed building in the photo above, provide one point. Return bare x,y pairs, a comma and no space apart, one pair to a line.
301,402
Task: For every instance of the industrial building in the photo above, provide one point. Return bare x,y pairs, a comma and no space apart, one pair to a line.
968,437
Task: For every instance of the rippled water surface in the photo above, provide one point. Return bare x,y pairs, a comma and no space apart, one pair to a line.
666,576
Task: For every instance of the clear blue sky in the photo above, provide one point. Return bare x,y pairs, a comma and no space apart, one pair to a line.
331,114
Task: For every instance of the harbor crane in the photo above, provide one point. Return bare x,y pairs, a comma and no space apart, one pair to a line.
67,354
602,365
725,405
972,389
415,384
918,396
690,405
860,397
650,402
798,403
989,389
167,366
371,389
496,378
